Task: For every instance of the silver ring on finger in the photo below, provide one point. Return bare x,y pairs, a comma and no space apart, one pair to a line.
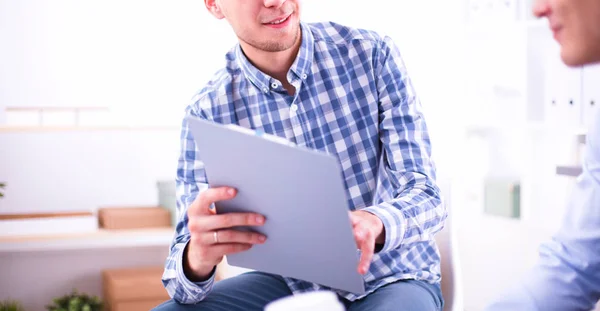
216,236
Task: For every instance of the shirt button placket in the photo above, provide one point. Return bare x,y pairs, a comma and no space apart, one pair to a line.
296,123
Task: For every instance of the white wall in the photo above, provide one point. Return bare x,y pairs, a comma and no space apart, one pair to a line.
84,170
143,59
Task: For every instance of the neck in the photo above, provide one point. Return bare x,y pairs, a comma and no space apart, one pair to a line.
275,64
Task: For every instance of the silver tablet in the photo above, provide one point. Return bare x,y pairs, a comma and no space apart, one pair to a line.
301,194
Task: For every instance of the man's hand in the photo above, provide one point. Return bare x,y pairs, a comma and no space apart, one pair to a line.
368,231
212,236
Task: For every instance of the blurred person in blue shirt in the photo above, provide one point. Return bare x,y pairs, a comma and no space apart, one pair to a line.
567,275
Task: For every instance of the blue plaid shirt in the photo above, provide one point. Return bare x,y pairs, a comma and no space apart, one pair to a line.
353,99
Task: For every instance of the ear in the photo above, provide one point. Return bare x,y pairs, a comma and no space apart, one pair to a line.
214,8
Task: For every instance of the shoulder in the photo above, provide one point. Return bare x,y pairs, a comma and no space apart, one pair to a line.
217,87
332,36
335,33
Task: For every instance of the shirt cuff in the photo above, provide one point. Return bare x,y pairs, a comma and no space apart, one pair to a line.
394,224
193,289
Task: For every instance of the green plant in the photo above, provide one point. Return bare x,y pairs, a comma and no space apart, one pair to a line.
76,302
11,305
2,185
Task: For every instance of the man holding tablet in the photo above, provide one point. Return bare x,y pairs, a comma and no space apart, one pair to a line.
327,87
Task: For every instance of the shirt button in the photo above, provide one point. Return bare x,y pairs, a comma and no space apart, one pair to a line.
274,85
266,90
294,108
304,76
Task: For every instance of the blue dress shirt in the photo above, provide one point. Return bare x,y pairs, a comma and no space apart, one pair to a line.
567,276
353,99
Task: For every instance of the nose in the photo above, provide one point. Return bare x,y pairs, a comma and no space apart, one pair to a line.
274,3
541,8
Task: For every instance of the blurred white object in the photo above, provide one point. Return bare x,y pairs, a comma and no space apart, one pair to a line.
313,301
448,247
50,225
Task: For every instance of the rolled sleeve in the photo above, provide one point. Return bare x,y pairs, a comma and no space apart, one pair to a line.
194,291
394,224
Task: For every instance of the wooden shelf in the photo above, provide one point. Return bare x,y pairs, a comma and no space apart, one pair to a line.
56,108
92,240
15,129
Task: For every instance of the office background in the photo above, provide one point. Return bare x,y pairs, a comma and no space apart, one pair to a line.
92,94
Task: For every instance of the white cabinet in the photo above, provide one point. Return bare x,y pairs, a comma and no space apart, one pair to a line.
590,93
572,95
493,10
563,99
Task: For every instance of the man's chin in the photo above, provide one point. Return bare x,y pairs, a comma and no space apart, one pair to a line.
288,44
577,57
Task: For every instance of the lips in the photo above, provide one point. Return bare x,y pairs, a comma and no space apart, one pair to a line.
556,30
279,20
554,26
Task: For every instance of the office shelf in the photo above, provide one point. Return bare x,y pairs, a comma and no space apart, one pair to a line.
36,128
93,240
572,171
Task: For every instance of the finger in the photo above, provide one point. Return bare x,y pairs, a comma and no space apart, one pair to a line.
233,236
354,219
359,235
358,238
204,202
367,248
201,224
